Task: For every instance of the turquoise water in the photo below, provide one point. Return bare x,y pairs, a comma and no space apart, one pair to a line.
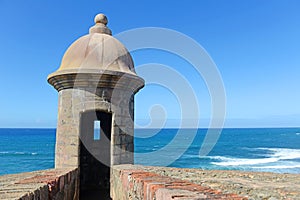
23,150
274,150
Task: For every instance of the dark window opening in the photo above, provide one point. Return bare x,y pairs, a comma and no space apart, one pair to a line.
95,137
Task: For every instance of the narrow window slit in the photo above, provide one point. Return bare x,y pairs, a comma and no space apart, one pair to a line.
97,130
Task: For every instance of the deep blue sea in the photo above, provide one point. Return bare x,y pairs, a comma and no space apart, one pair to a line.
268,149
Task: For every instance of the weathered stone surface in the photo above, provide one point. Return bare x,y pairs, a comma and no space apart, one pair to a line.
73,102
160,183
137,182
43,185
254,185
146,182
96,74
164,193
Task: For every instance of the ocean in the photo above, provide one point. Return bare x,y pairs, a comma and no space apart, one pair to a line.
263,149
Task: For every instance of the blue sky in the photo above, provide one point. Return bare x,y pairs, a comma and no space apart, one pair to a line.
255,45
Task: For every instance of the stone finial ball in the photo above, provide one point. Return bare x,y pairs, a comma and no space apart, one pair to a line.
101,18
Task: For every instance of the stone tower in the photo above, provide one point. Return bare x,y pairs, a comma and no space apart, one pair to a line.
96,83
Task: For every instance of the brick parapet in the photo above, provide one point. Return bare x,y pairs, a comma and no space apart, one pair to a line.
155,183
134,182
50,184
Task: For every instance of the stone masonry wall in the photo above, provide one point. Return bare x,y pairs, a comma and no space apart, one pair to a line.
148,182
134,182
73,102
58,184
155,183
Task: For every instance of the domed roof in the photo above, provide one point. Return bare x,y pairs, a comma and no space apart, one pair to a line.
96,52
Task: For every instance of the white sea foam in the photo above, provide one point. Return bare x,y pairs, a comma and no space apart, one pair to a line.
17,153
278,167
215,157
283,153
20,153
244,161
272,156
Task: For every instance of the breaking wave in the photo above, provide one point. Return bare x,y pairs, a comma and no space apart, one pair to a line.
279,167
8,153
274,158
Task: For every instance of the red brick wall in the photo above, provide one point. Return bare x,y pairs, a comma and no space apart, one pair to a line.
45,184
132,182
